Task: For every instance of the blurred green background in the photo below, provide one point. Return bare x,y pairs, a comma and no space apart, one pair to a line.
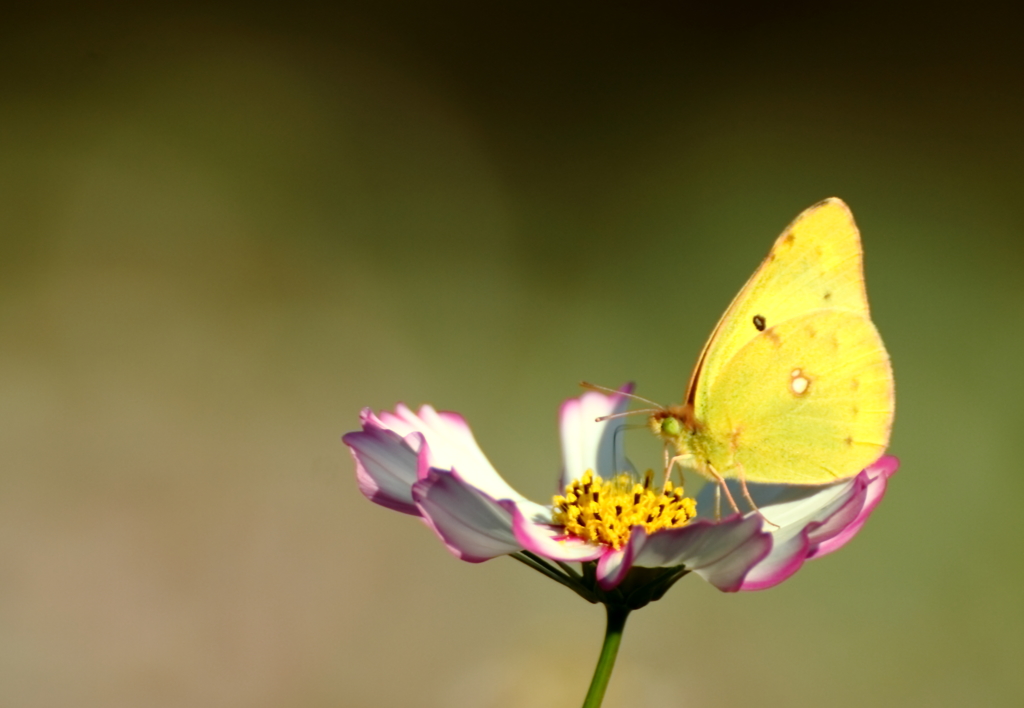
225,228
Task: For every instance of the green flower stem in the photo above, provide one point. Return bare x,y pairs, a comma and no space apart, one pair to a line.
617,615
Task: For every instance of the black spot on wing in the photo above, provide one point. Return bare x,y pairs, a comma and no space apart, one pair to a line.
759,322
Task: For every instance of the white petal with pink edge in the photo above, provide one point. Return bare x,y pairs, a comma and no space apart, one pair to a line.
814,521
532,527
451,445
386,464
471,524
613,567
589,445
722,553
878,476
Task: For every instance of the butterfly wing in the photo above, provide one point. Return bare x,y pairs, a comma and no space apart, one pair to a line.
795,385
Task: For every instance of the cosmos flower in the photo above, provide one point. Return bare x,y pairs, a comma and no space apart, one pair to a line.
605,516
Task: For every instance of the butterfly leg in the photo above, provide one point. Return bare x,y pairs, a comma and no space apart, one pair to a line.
668,465
723,486
750,500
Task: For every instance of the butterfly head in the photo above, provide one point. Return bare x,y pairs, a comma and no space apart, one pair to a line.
672,423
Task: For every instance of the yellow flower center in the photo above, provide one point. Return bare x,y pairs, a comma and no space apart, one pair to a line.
606,512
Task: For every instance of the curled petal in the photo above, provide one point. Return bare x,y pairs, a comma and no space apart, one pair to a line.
471,524
589,445
828,538
615,565
450,445
786,557
814,521
547,540
386,464
722,553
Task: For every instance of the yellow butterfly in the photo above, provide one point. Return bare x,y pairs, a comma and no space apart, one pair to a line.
794,386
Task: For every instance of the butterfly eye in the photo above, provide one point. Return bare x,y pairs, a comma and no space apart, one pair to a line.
759,323
670,426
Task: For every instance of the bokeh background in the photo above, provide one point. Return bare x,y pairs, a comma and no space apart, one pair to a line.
226,227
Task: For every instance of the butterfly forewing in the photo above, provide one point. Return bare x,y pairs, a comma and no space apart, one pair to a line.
815,264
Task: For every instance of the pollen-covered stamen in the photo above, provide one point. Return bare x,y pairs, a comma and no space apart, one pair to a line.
606,512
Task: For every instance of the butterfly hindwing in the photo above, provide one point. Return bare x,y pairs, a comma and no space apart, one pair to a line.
808,401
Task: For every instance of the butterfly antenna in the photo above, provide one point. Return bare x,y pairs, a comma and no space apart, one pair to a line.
614,392
623,414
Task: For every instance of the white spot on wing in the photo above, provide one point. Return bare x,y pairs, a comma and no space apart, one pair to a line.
799,383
